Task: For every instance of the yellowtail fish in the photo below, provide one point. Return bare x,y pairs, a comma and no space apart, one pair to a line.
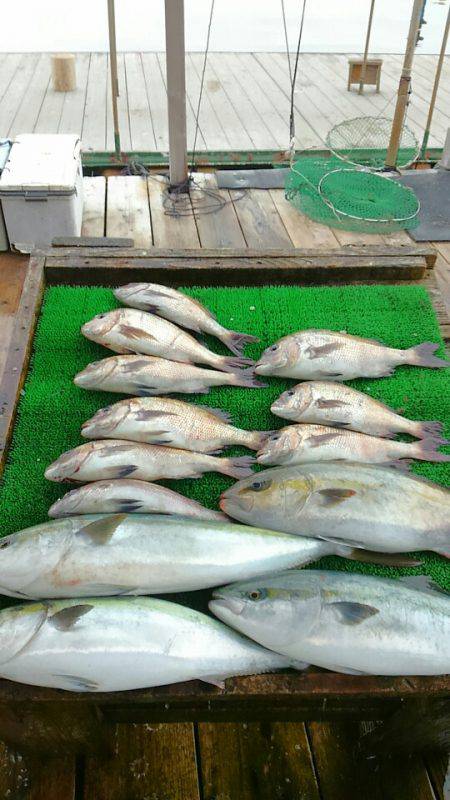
320,354
182,310
117,458
164,421
127,330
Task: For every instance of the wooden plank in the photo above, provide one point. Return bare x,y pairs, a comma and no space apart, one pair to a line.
13,268
256,761
94,190
259,219
170,231
93,134
12,98
28,778
74,102
156,762
141,125
157,98
127,212
28,112
216,138
9,64
303,231
221,228
50,111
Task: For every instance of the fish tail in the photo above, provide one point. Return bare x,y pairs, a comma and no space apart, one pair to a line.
422,356
231,364
255,439
430,429
426,450
247,377
237,467
237,341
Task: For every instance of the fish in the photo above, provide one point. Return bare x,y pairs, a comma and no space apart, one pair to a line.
367,506
182,310
121,643
129,496
134,554
145,376
299,444
329,355
117,458
355,624
127,330
165,421
328,403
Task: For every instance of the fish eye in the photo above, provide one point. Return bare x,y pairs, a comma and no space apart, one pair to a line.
258,486
256,594
274,438
101,316
290,393
274,347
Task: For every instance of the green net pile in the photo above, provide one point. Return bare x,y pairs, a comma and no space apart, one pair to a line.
349,198
52,408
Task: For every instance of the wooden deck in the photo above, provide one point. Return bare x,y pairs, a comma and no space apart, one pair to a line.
224,761
245,103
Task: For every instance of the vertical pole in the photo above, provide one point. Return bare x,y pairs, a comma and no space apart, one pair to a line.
366,49
176,93
437,79
404,86
114,77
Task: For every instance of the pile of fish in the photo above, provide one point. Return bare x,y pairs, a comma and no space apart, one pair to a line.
119,536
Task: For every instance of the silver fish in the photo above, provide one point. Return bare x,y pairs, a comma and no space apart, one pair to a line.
137,554
355,624
149,375
129,496
182,310
127,330
327,403
319,354
115,644
299,444
363,505
165,421
117,458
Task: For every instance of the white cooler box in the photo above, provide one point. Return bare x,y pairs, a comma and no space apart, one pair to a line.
41,189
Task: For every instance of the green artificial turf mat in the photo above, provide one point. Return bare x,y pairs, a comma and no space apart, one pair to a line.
52,408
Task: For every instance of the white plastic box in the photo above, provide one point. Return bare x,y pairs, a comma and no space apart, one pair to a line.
41,189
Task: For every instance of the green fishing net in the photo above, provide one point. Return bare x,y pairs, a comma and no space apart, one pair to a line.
364,141
349,198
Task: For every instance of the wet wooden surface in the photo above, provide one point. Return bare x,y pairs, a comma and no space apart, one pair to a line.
219,761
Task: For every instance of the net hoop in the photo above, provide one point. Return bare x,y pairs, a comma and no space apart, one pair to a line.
375,176
348,137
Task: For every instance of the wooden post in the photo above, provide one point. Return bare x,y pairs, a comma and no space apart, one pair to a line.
403,87
366,48
437,79
114,77
176,92
63,72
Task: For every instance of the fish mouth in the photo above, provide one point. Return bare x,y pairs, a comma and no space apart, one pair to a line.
263,457
261,368
234,501
224,603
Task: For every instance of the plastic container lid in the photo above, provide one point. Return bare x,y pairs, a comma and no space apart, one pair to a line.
41,163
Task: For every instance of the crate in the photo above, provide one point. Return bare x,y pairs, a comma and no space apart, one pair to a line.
372,75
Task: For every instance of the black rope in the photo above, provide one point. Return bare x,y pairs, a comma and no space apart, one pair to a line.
202,81
293,73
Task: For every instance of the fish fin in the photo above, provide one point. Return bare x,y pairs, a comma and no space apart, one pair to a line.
237,341
332,496
219,682
248,379
426,450
135,333
106,589
321,350
128,506
218,412
228,364
352,613
325,374
423,584
422,356
145,391
337,424
236,467
143,415
121,472
321,403
65,619
102,530
73,683
386,559
318,439
431,429
137,363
